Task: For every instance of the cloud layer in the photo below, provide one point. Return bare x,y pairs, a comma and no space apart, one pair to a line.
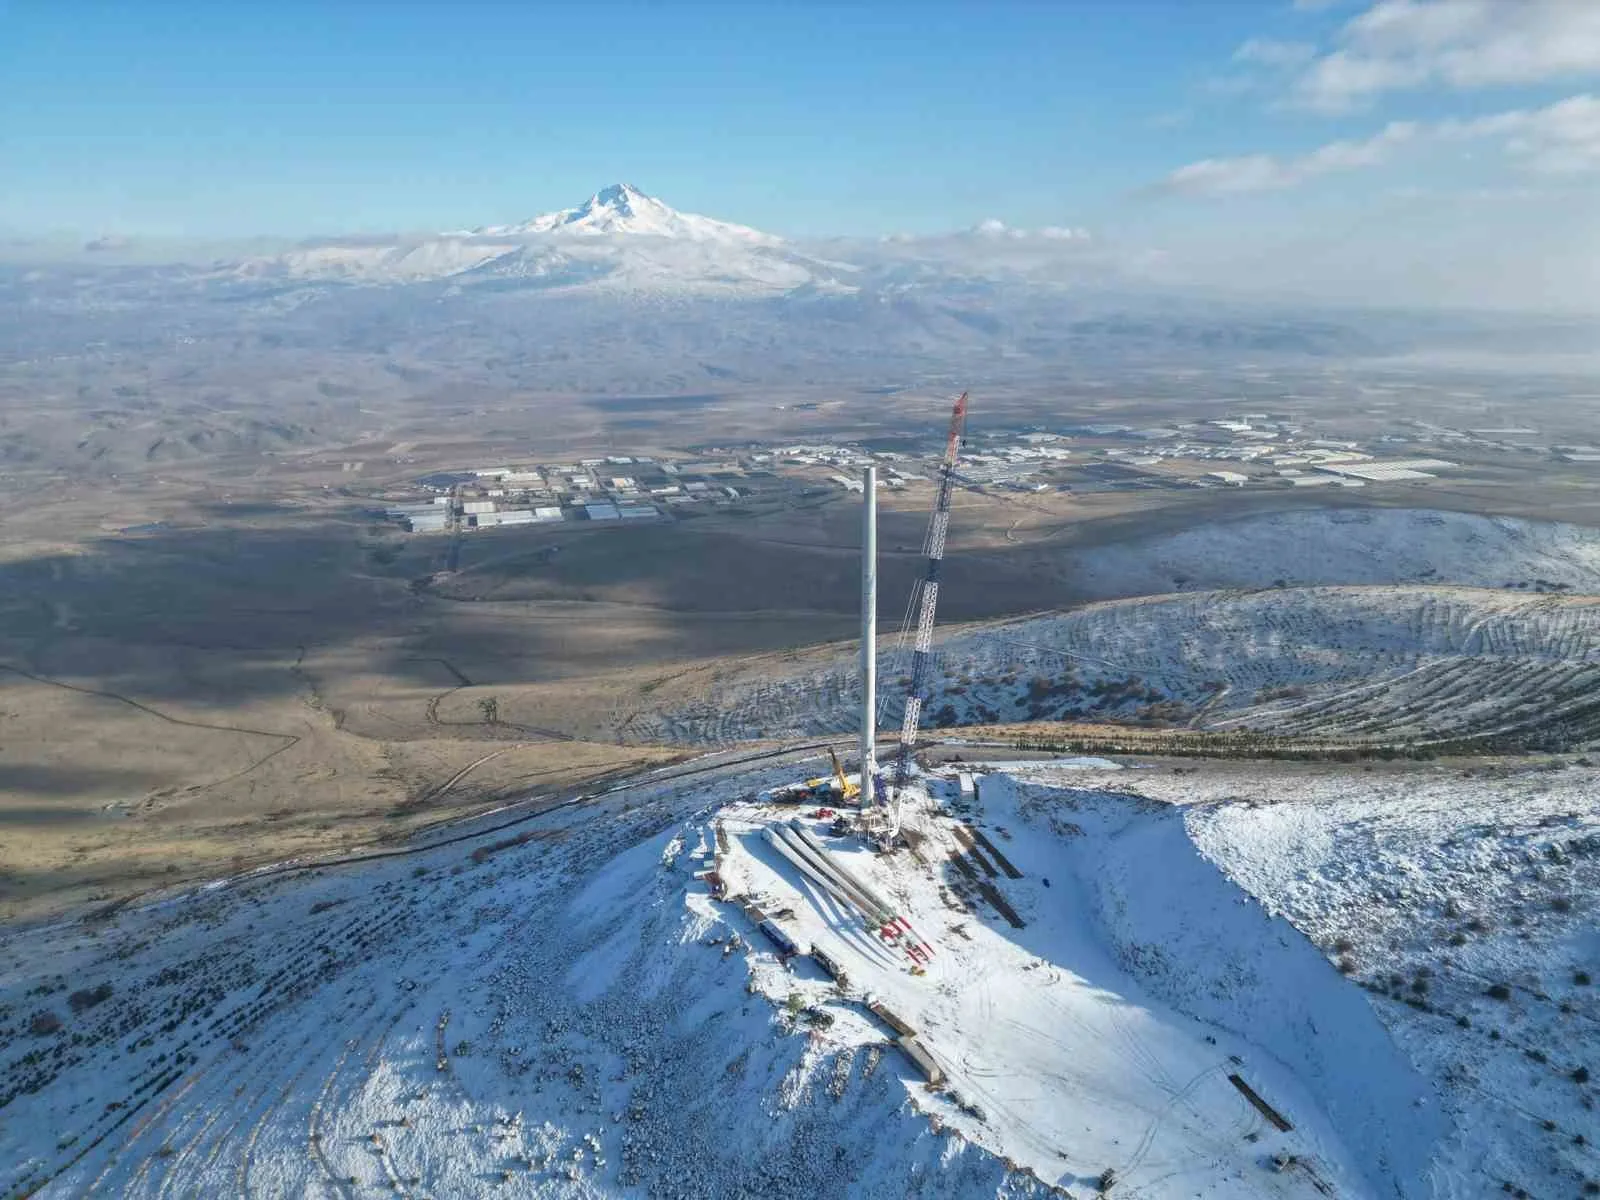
1267,172
1407,44
1560,138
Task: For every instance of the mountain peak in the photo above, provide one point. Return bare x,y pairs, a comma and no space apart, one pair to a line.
617,194
612,206
623,209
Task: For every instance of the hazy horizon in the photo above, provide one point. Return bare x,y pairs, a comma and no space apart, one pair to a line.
1433,153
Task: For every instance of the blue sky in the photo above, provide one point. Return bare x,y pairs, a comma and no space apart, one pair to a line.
1181,128
802,118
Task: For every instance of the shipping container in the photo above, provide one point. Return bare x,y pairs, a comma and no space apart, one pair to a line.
922,1060
879,1010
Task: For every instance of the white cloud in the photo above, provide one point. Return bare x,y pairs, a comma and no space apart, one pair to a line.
1267,172
994,228
1561,138
1269,52
1400,44
1218,176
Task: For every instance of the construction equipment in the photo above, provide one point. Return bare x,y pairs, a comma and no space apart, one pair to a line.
847,790
787,948
922,648
830,966
842,787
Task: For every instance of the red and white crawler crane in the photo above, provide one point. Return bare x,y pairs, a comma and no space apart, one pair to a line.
927,602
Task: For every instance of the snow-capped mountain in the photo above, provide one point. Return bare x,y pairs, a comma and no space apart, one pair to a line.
624,242
624,209
376,261
619,240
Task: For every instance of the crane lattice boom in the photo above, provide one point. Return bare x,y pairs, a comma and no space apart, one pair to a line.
922,648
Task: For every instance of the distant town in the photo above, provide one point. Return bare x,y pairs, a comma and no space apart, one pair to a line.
1252,449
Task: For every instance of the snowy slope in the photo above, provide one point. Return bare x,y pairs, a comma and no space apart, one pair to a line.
1418,663
367,261
1343,546
1232,649
542,1018
570,1013
1464,903
624,209
1139,982
564,1008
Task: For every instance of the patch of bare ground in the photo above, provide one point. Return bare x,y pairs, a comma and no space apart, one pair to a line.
105,794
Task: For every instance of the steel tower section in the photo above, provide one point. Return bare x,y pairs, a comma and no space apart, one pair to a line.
869,635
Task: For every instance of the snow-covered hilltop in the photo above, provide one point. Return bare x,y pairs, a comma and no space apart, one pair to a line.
1129,980
623,209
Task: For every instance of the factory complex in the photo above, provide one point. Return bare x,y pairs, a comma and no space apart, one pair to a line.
618,488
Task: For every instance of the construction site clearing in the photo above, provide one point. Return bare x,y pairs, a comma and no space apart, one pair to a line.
985,961
891,912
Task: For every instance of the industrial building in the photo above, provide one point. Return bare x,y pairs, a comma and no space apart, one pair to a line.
435,520
592,489
1392,471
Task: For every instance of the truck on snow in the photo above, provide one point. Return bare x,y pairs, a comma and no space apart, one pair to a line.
787,948
829,965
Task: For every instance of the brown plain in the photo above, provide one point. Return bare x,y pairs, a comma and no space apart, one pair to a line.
216,663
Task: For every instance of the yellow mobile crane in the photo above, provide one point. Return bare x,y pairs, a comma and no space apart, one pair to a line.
846,789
